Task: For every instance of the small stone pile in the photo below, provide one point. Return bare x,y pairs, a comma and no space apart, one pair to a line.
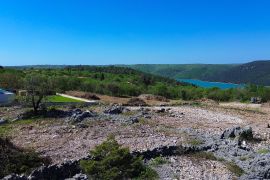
78,115
114,110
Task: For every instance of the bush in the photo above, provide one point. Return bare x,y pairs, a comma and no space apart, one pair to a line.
234,168
17,160
111,161
158,161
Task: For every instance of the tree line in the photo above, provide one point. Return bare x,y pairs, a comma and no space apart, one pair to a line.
121,81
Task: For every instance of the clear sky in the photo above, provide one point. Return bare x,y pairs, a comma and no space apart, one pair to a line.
133,31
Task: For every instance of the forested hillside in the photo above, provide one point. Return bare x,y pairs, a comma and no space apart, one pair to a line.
122,81
257,72
110,80
185,71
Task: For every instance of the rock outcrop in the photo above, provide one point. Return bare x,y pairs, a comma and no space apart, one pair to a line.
242,133
233,145
79,115
114,110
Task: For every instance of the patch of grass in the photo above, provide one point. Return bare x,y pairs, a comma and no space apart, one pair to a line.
144,121
220,159
234,168
24,122
244,109
57,98
186,103
5,129
129,113
204,155
158,161
194,142
263,151
243,158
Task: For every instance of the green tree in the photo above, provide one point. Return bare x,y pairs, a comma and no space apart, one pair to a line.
10,80
37,87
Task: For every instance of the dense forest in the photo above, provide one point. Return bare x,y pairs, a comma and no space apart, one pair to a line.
123,81
257,72
183,71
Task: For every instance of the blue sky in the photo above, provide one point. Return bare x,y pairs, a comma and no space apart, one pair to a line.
133,31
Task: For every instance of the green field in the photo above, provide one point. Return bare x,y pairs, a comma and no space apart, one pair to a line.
57,98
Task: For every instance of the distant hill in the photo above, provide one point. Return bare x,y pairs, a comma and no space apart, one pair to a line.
256,72
185,71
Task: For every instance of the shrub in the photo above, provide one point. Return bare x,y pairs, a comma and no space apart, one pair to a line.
158,161
111,161
234,168
136,102
17,160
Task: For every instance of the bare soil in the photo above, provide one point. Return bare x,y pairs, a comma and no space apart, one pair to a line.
60,141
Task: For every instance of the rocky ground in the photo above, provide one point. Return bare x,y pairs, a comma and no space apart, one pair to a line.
194,128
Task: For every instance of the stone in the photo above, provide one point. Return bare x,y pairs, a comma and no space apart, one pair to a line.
114,110
56,171
133,120
15,177
246,133
162,110
79,176
259,168
3,121
79,116
242,133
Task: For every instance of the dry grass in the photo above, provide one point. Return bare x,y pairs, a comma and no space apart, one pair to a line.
123,100
110,99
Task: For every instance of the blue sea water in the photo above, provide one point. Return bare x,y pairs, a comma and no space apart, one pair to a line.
207,84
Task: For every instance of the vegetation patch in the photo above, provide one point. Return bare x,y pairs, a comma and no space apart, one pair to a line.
263,151
243,158
6,129
234,168
158,161
194,142
204,155
17,160
57,98
117,81
111,161
129,113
